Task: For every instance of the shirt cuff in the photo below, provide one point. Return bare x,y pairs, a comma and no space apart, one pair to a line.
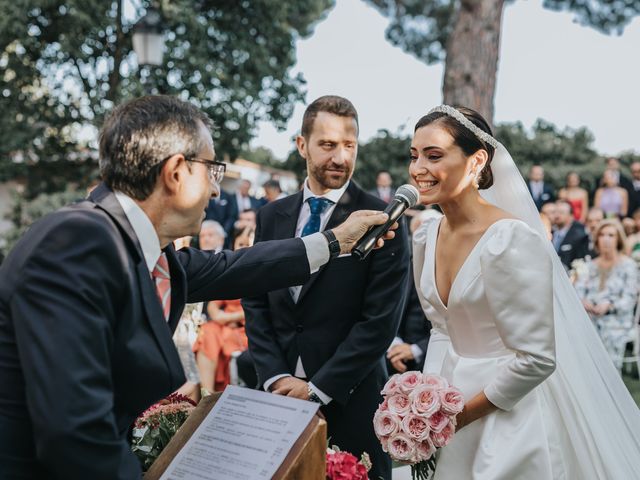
317,248
396,341
326,399
273,379
417,353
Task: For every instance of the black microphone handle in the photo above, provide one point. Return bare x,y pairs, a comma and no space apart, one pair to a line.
365,245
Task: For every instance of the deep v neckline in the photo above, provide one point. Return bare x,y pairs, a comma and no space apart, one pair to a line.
475,247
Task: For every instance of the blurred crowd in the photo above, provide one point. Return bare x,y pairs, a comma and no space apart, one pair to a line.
596,234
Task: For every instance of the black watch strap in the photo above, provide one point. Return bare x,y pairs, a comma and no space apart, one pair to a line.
334,244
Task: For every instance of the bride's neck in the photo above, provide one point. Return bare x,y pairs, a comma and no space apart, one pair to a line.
466,208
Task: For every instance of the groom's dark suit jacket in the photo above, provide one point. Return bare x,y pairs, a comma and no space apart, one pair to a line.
346,316
84,346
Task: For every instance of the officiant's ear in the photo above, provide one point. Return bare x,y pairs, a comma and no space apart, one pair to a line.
301,144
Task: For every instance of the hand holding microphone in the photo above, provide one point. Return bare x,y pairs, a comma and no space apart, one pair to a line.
405,197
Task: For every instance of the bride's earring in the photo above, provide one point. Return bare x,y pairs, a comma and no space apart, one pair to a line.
474,173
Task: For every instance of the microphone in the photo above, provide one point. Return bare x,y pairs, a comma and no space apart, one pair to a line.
406,196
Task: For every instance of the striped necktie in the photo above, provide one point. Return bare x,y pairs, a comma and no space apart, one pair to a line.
162,279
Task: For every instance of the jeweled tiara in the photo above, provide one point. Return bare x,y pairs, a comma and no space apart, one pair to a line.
453,112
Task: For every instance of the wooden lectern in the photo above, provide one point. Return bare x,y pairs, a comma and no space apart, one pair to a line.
305,461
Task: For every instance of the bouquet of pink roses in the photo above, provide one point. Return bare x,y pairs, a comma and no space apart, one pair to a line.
417,416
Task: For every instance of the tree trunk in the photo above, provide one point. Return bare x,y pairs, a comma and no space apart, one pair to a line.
472,56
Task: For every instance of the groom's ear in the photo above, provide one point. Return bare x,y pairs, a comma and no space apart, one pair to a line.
301,144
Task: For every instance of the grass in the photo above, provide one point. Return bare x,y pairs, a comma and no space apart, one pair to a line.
633,384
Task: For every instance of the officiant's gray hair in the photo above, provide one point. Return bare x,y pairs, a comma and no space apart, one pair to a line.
465,138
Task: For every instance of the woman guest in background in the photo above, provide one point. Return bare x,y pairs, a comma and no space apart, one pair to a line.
609,289
612,199
577,196
632,247
504,317
223,334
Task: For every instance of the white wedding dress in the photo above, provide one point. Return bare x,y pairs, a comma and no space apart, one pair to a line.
512,313
495,335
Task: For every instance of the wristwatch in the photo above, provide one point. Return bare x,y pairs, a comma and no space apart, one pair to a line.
334,244
313,396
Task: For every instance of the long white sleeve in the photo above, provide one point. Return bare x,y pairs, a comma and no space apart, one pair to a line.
517,272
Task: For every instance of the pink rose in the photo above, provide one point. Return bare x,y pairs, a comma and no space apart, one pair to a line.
437,421
384,406
401,448
424,450
409,380
391,386
451,400
385,423
384,442
399,404
436,381
416,426
424,400
442,438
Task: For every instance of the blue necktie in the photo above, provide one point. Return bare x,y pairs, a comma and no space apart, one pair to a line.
317,205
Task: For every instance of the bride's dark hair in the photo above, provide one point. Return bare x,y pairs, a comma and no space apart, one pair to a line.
465,138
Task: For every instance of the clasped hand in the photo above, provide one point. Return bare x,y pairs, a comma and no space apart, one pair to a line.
291,387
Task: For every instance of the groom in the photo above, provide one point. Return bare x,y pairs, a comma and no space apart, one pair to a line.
325,340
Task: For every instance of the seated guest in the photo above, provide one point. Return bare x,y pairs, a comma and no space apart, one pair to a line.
246,218
223,334
577,196
211,236
609,290
245,201
632,246
594,217
612,199
570,238
223,210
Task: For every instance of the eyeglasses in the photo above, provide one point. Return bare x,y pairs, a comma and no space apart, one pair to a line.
216,169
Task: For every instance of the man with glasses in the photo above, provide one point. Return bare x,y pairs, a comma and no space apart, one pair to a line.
90,296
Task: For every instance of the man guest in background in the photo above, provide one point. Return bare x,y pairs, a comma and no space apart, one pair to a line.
211,236
91,294
245,201
384,189
570,239
222,209
541,191
325,339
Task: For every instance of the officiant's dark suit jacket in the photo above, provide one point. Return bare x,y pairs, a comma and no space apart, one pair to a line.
84,345
346,316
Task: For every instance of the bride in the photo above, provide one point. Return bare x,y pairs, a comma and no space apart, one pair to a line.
543,400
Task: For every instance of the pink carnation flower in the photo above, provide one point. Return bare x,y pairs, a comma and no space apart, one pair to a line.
424,400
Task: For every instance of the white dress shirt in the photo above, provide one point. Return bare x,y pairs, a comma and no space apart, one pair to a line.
303,218
244,203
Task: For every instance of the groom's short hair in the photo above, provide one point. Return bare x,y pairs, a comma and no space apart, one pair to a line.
330,104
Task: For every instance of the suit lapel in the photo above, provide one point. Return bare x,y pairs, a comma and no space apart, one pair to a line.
285,227
345,206
178,287
105,199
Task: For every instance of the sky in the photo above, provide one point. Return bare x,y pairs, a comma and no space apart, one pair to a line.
550,67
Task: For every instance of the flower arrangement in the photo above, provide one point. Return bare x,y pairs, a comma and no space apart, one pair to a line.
154,428
345,466
416,417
